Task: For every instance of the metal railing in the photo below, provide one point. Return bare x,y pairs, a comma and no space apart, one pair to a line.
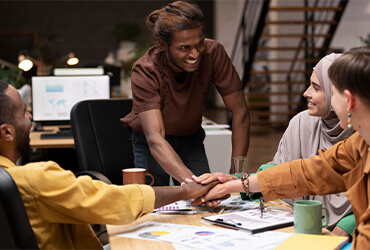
247,36
320,20
319,17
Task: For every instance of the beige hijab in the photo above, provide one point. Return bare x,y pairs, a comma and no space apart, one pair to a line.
307,134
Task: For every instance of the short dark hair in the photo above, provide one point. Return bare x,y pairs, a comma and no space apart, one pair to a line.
176,16
7,107
352,71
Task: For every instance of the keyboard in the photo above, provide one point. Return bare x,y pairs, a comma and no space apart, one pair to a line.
62,134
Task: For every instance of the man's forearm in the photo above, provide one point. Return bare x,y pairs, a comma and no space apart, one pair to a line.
237,105
167,195
240,134
187,191
169,160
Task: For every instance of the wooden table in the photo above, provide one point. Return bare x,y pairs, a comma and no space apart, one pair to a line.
37,142
117,242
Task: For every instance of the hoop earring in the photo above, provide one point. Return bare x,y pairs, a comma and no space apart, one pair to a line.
350,127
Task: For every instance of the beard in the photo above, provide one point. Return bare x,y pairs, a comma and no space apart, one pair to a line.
23,142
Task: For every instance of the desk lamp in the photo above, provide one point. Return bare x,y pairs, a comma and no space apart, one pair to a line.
25,61
72,59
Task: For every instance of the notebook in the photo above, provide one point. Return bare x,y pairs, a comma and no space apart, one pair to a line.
178,205
312,241
250,220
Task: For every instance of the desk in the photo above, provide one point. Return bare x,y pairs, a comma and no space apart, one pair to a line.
217,144
59,150
36,142
117,242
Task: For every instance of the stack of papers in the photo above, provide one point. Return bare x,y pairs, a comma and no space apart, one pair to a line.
178,205
232,204
195,237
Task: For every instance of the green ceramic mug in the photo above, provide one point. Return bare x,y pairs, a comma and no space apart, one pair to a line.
308,217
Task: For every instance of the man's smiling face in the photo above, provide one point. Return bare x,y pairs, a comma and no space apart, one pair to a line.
185,51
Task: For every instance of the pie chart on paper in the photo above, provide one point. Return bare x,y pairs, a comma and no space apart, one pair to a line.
153,234
205,233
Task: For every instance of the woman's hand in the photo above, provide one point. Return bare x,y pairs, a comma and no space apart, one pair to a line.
220,191
215,194
194,190
213,203
218,176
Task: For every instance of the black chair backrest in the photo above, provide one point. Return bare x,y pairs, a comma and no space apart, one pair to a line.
15,229
102,143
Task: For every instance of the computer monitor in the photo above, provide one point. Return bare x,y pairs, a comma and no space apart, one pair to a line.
54,96
79,71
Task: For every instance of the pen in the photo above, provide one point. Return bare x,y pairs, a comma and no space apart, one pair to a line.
222,210
262,206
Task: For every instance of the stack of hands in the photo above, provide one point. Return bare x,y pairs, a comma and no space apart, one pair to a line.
217,192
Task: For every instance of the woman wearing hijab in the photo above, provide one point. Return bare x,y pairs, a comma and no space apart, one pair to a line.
344,167
316,128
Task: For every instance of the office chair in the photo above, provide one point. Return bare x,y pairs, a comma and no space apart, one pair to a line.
15,230
102,143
